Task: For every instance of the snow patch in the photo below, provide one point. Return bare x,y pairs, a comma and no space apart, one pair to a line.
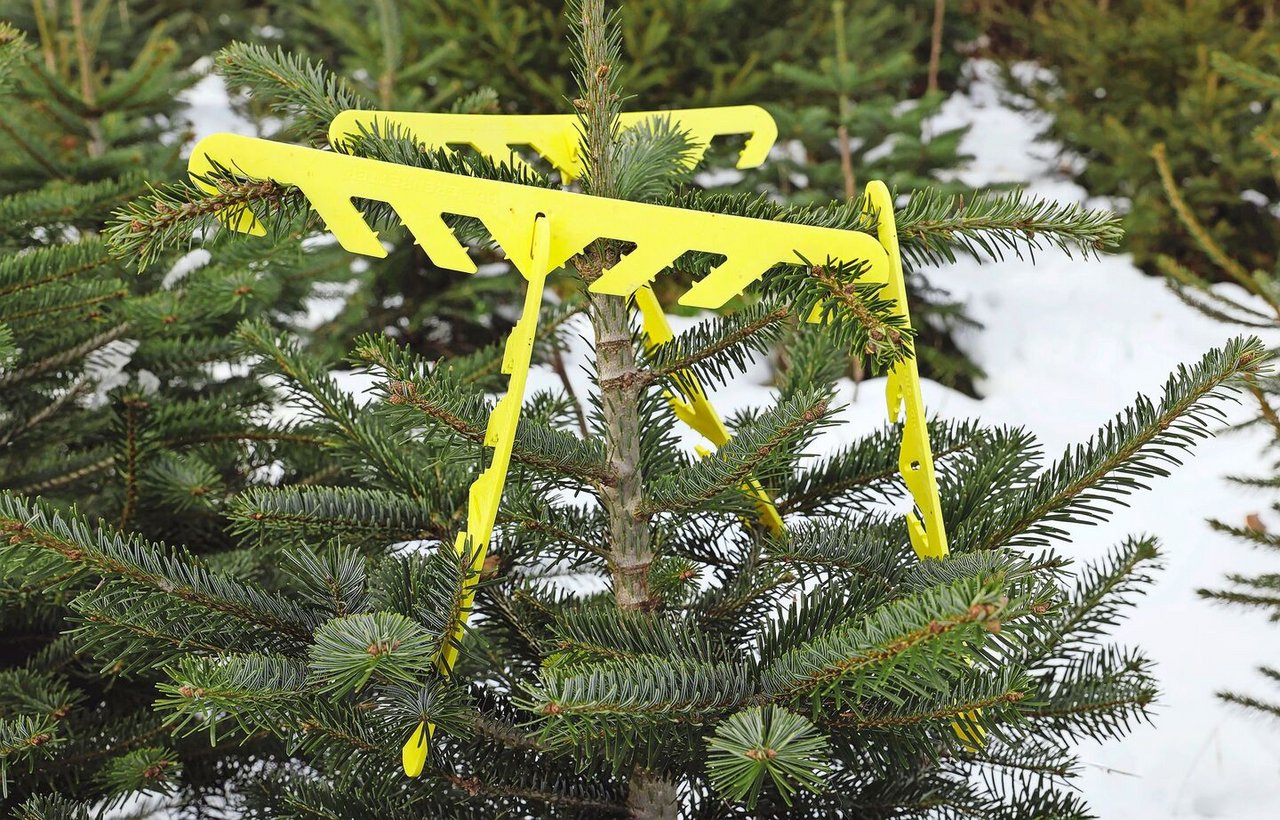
1066,344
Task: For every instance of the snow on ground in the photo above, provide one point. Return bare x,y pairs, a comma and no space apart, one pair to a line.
1066,344
209,107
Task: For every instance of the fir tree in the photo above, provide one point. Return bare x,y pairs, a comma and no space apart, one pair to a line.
640,647
121,393
1124,75
1258,307
121,389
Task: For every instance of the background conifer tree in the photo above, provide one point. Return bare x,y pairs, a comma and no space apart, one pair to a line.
861,109
1258,307
122,394
1123,75
639,647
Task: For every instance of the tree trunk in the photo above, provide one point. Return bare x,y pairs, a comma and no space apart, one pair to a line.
630,552
935,46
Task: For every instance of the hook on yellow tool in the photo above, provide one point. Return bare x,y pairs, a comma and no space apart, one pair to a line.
555,136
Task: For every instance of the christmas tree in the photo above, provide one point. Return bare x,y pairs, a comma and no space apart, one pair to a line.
122,393
1257,307
641,643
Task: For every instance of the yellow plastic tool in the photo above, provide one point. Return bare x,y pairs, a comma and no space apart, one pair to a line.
500,433
422,197
555,136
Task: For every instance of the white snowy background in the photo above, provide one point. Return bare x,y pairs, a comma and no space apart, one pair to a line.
1066,344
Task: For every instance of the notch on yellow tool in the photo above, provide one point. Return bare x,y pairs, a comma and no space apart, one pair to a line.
485,495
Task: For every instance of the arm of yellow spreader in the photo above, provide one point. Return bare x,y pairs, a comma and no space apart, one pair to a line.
421,198
695,409
555,136
500,434
915,457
